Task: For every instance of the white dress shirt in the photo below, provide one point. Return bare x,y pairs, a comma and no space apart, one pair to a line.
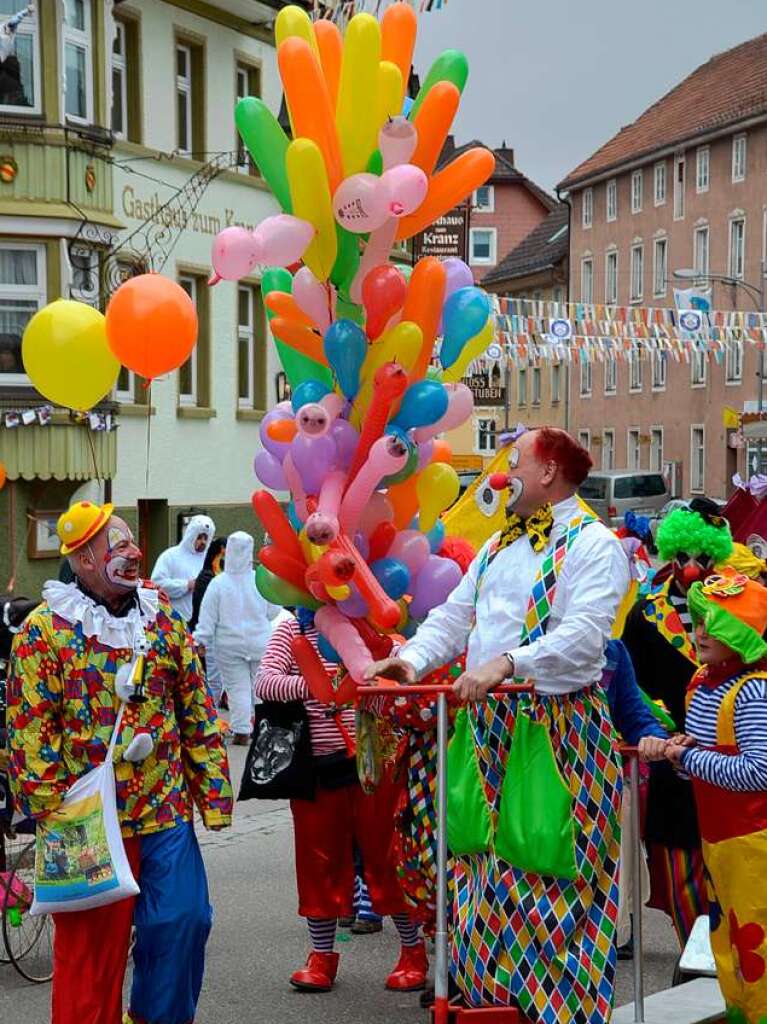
570,655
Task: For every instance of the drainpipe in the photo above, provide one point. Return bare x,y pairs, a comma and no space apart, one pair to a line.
567,297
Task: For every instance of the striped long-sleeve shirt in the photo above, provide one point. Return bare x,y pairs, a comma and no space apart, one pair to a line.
746,770
279,678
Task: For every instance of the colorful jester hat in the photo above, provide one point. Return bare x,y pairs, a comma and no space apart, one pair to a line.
733,610
695,531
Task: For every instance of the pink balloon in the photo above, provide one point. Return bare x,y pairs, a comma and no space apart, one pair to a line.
344,638
316,299
460,403
397,140
360,203
411,547
283,239
296,487
376,254
387,456
234,253
406,187
378,510
437,578
312,420
346,439
458,275
333,405
322,526
269,471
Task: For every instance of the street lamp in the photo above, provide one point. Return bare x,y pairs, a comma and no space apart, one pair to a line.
756,292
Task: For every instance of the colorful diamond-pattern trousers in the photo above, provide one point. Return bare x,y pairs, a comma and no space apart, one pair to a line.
543,944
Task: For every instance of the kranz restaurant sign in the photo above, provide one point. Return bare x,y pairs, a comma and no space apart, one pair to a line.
447,236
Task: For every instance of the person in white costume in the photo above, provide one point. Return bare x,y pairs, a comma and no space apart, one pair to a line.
236,623
177,568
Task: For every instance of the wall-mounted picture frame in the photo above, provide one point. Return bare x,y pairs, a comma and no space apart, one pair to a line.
42,539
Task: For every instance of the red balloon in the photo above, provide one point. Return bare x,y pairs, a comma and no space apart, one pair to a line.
277,525
380,540
284,566
383,294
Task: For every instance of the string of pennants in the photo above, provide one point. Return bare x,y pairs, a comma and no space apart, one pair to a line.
42,416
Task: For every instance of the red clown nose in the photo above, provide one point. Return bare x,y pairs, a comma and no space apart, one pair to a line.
498,481
692,573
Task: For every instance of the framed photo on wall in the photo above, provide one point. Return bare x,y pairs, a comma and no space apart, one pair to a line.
42,539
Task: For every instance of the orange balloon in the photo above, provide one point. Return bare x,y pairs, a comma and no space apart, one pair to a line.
423,305
286,430
449,187
404,501
301,338
283,304
151,325
3,475
311,112
441,452
399,27
432,122
331,46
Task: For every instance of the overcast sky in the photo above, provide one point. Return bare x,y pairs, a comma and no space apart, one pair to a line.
557,78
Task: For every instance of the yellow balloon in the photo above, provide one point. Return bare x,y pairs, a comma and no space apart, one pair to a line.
357,106
340,593
66,354
437,488
389,91
310,195
402,344
312,552
474,347
292,21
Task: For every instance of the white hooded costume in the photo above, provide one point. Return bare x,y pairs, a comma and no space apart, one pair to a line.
235,624
178,565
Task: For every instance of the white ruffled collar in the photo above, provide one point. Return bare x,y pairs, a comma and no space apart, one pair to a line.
69,602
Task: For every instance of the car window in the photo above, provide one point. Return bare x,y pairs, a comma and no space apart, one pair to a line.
646,485
593,488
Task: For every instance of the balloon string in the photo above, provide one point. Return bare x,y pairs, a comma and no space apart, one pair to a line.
148,388
92,447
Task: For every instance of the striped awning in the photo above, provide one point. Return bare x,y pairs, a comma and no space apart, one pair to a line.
59,451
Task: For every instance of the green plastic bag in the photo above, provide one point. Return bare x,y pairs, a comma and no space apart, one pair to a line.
468,816
536,828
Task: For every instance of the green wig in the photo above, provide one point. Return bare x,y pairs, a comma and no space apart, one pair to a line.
686,530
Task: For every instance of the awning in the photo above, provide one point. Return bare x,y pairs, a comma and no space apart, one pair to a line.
67,451
756,431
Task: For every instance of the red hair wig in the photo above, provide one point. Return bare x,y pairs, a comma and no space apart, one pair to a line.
555,445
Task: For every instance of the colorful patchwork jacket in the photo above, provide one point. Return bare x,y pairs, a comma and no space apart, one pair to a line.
62,708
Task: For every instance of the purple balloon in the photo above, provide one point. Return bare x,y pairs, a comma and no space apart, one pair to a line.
425,452
458,275
313,457
346,439
354,606
362,544
277,448
269,471
411,547
434,582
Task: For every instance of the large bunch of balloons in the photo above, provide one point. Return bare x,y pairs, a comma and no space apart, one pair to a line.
357,445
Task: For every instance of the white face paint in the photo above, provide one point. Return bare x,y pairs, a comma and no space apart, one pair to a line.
122,558
516,486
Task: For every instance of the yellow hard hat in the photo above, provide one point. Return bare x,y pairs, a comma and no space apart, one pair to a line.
81,523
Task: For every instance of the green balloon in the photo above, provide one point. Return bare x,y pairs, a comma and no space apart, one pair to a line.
277,591
450,66
407,470
267,143
347,261
375,163
297,366
350,311
276,279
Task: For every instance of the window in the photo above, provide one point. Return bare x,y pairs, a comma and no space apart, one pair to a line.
522,387
559,294
633,449
643,485
611,199
637,272
184,99
679,177
659,180
697,458
247,83
535,396
484,199
611,278
637,188
187,374
125,86
737,246
22,293
587,280
608,449
698,373
635,368
482,246
251,348
702,160
584,439
586,375
660,267
556,383
739,158
194,374
20,78
733,363
659,370
611,374
656,449
78,61
485,435
587,206
86,275
128,389
701,251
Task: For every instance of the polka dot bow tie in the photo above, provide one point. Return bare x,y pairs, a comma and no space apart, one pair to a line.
537,527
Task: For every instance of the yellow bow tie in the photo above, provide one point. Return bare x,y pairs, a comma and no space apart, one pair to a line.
537,526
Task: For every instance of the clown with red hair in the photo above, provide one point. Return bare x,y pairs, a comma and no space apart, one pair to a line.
534,782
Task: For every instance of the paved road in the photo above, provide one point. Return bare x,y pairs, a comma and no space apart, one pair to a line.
257,941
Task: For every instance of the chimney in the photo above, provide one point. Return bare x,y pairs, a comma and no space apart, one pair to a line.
506,152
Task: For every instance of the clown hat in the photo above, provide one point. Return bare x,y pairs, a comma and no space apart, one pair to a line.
81,523
733,609
696,530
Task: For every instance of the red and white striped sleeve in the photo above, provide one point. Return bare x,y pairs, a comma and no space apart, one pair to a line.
278,675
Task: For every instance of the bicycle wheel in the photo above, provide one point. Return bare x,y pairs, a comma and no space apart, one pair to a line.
28,940
11,846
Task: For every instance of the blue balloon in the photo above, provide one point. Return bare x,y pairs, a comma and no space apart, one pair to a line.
407,105
393,575
345,348
436,536
327,652
308,391
412,457
464,315
423,403
295,522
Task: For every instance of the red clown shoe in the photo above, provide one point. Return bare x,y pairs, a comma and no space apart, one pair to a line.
319,973
411,970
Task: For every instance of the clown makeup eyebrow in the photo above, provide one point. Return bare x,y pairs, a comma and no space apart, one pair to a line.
514,457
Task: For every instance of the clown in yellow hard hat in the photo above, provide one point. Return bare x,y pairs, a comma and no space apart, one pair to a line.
80,523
